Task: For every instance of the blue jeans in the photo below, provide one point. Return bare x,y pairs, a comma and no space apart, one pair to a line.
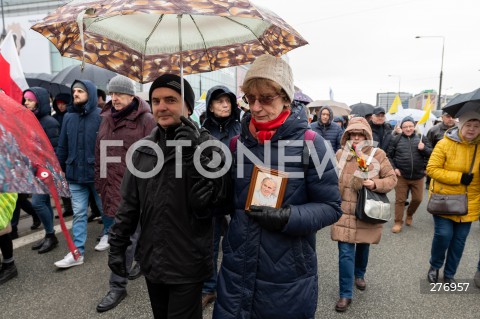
107,223
210,285
43,208
80,193
449,238
352,263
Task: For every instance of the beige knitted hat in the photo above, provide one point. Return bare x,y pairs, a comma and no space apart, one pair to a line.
275,69
467,116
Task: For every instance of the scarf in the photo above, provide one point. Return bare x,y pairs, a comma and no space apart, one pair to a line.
118,115
265,130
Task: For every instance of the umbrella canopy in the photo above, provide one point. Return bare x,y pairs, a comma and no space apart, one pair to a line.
302,97
362,109
28,163
39,79
338,108
145,39
97,75
459,104
414,113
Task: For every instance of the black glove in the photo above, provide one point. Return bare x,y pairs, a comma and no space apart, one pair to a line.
202,193
466,179
117,261
191,132
272,219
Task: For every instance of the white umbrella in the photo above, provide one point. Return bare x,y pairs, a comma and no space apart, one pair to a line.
414,113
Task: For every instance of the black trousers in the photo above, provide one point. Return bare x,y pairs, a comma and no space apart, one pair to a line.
176,301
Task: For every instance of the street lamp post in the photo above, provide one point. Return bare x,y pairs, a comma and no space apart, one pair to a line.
439,105
399,80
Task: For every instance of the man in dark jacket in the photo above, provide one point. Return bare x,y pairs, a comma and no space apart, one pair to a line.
60,103
328,130
223,122
436,133
126,119
36,99
173,203
382,131
409,154
76,154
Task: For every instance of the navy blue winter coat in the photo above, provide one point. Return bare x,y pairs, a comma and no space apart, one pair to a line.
274,274
330,131
231,127
49,124
76,147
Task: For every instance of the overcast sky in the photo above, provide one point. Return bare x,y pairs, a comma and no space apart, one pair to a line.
355,44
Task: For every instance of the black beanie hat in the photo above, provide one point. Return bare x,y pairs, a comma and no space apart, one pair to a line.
173,82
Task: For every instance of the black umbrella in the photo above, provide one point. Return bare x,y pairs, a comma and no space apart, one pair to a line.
100,77
463,103
362,109
44,80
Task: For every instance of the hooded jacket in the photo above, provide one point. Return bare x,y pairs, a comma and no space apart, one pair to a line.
59,115
76,147
330,132
129,129
349,229
49,124
274,274
231,127
451,157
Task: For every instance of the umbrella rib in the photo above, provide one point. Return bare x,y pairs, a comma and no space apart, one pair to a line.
203,41
148,39
248,28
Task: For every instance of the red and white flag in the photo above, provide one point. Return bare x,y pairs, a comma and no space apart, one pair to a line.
12,79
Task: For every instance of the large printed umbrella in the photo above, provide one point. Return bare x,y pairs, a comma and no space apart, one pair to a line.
27,160
145,39
463,103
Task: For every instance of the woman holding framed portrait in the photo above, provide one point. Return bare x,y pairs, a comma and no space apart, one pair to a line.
269,267
353,235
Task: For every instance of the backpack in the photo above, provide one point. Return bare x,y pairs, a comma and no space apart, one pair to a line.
308,136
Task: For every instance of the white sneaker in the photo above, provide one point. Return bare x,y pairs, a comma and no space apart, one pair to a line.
68,261
103,244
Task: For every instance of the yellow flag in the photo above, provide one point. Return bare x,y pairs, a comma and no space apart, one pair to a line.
395,104
428,110
203,96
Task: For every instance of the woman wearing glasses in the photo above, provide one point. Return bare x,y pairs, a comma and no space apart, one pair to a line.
269,267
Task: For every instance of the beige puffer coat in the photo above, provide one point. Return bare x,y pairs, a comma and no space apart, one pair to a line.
349,229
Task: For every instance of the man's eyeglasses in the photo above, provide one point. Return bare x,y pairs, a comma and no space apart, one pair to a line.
265,100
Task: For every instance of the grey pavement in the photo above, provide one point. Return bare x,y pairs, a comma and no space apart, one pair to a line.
396,267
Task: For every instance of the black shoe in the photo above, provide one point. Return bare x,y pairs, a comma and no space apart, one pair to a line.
36,224
7,273
135,272
50,243
407,203
14,234
38,244
111,300
448,280
432,275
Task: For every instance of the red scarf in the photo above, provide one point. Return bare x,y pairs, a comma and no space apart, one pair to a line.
265,130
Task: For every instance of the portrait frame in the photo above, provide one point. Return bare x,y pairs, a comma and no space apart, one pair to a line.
259,174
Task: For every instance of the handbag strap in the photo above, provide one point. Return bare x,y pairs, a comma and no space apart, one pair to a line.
471,168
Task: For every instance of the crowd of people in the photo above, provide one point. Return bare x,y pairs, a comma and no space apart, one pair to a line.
165,218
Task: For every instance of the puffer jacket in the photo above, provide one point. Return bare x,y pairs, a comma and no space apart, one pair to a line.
76,146
330,131
451,157
349,229
49,124
404,154
274,274
129,129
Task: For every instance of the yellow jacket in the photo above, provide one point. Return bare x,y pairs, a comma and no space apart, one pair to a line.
451,157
